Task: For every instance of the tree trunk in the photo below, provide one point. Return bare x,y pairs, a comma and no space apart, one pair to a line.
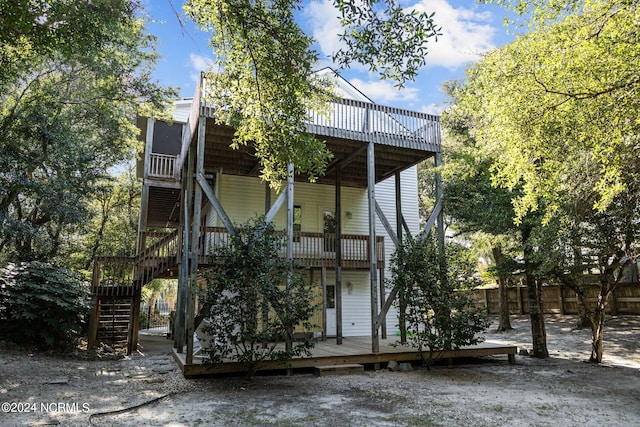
584,314
538,331
534,296
504,321
597,322
597,336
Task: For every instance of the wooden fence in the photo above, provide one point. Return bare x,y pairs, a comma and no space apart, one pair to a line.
561,300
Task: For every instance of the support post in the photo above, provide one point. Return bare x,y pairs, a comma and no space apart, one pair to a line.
134,320
184,266
373,258
94,317
323,283
338,292
144,194
265,308
439,194
383,291
289,189
195,240
183,279
402,298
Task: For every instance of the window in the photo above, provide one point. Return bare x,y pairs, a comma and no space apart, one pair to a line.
331,296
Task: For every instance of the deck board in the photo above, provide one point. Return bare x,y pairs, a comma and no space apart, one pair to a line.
353,350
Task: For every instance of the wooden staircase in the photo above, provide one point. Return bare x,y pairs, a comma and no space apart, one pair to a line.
113,321
116,287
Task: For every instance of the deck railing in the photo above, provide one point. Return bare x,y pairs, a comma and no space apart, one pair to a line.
364,121
309,249
163,166
118,275
343,118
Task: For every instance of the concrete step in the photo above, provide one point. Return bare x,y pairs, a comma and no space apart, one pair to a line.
346,369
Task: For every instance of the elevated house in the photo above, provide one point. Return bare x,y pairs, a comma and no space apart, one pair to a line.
341,229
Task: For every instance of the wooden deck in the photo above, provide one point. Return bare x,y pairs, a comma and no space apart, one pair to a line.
353,350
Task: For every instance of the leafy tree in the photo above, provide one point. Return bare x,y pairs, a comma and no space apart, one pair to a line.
604,243
264,84
42,305
440,311
471,203
113,226
557,109
254,300
68,104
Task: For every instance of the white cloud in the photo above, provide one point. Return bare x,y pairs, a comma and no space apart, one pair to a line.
435,109
324,25
199,63
383,91
466,31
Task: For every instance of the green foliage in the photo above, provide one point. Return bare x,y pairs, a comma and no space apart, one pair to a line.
440,312
42,305
383,30
557,112
256,300
67,115
113,224
559,106
264,85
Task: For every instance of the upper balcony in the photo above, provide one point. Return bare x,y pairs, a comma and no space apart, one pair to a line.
402,139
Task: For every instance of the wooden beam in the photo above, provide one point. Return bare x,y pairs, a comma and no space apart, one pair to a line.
342,163
273,210
433,217
373,267
383,323
195,237
93,321
185,260
144,194
386,306
338,243
323,282
439,195
208,191
386,224
289,249
402,309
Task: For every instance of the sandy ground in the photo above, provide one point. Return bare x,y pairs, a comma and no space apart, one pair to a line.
562,391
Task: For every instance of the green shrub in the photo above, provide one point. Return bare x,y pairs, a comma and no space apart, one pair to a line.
440,313
255,300
42,305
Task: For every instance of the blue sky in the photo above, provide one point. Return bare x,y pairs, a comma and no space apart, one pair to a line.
469,29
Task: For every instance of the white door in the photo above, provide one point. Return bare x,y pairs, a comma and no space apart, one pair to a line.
330,312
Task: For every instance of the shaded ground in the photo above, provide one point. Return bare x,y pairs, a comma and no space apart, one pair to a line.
563,390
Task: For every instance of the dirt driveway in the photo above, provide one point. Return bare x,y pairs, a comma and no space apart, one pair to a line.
562,391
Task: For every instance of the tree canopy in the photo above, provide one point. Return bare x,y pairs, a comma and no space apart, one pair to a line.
74,76
559,106
263,83
556,111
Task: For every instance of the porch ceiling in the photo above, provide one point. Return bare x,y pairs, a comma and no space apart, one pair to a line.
349,155
166,207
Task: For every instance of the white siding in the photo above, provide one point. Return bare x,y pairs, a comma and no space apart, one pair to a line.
243,198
